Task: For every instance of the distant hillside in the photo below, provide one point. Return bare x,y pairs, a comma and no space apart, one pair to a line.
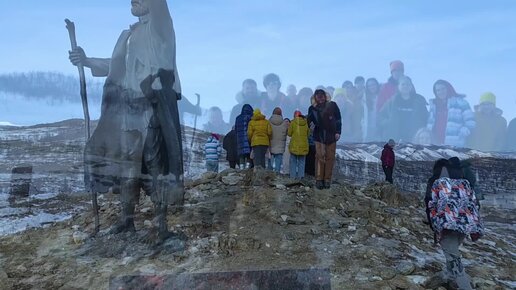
53,85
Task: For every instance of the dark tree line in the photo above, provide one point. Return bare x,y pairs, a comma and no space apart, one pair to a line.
49,85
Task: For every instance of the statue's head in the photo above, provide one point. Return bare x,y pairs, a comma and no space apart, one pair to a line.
139,7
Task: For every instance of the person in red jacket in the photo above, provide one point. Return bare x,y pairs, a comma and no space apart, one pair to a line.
388,160
390,88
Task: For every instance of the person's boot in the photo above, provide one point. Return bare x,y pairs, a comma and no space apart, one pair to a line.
319,184
126,223
161,218
327,184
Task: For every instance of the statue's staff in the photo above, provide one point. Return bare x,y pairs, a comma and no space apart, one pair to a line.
195,119
73,41
70,26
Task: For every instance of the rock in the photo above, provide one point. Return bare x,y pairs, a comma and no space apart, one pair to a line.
76,227
360,236
405,268
226,172
346,242
417,279
387,273
79,237
145,210
352,228
231,179
147,224
208,175
335,224
21,269
481,283
281,186
375,279
296,220
3,275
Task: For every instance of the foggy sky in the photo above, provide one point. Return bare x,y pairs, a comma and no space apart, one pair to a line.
307,43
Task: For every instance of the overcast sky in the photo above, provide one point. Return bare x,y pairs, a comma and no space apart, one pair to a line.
472,44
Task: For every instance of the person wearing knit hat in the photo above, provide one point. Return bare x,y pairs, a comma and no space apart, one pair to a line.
397,65
490,131
278,140
488,98
390,88
259,133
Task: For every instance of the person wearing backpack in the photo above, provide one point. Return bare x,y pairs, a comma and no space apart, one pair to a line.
454,215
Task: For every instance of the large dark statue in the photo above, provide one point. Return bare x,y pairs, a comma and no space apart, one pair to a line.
137,143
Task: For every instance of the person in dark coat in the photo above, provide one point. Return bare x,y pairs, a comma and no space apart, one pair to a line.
404,114
326,122
388,160
243,145
230,144
248,95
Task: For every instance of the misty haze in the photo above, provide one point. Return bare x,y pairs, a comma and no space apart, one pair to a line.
226,144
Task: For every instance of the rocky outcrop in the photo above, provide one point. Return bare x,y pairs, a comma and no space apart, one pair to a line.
241,225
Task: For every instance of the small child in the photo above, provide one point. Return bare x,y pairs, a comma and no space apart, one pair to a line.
212,150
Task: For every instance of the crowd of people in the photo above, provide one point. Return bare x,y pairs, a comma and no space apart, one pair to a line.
303,144
367,111
372,111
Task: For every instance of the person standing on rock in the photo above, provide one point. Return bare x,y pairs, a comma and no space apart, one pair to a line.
259,134
298,131
325,121
388,160
278,140
230,145
454,214
122,145
243,144
212,151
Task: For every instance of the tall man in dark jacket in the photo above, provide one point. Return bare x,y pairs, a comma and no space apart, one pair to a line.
388,159
325,121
